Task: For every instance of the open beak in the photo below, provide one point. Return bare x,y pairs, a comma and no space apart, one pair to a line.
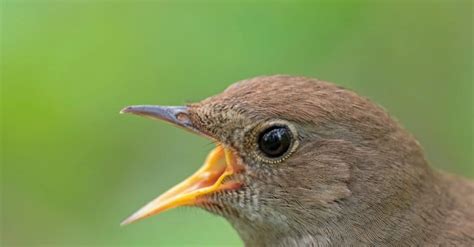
220,163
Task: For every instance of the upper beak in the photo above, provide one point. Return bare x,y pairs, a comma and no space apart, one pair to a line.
219,164
176,115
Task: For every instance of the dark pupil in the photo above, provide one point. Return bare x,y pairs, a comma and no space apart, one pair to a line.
275,142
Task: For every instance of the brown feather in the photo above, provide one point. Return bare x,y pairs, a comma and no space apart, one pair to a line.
356,178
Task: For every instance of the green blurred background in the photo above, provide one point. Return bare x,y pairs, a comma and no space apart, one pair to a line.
73,168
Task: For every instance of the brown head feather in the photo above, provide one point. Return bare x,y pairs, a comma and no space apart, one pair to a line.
353,177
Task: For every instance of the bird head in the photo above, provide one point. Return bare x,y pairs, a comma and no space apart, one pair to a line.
290,150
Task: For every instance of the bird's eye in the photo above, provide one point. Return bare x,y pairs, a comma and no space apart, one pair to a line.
275,141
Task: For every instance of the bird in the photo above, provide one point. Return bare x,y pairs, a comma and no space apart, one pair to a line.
304,162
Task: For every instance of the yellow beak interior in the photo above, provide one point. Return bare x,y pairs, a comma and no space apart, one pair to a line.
208,179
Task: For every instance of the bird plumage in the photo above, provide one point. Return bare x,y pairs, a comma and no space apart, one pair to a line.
358,177
352,176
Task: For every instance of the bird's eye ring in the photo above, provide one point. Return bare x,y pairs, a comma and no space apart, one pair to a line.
274,141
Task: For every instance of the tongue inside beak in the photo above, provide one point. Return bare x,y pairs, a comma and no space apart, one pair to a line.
219,164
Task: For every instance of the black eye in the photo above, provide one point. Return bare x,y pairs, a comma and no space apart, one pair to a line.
275,141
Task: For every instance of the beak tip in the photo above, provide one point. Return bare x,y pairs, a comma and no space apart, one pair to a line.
125,110
128,221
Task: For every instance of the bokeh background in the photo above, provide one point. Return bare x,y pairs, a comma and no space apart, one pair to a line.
73,168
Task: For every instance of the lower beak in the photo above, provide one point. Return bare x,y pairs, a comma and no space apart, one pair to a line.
219,164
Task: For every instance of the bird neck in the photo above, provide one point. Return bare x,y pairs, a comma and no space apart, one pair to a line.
393,220
396,206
